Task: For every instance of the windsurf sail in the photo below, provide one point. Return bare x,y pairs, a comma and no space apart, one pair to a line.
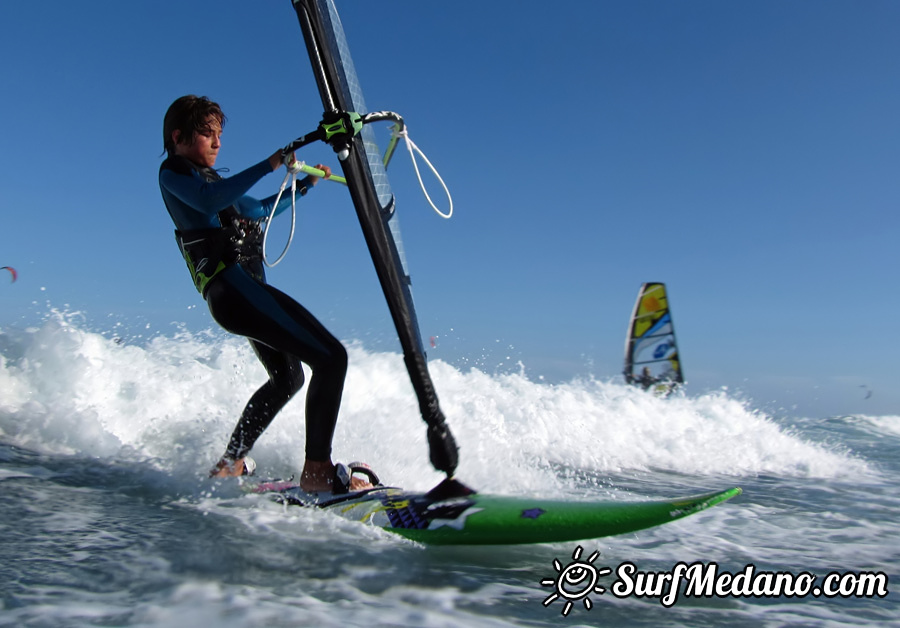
652,360
344,126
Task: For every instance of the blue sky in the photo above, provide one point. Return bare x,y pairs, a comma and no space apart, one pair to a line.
746,154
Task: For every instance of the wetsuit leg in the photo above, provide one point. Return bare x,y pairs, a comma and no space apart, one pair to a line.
285,379
264,314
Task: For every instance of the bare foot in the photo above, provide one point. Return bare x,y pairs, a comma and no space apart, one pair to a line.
359,484
226,468
319,476
316,476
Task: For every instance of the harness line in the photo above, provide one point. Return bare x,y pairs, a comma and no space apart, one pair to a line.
294,167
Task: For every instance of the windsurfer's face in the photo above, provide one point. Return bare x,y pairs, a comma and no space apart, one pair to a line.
204,148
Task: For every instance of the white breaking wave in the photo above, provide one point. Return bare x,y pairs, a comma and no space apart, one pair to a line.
174,400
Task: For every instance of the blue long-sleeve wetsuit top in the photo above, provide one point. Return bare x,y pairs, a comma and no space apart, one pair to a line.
194,196
217,224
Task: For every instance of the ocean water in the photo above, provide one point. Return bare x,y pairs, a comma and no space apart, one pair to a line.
107,517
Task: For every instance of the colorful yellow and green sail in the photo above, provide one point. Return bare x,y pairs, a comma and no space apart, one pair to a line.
652,360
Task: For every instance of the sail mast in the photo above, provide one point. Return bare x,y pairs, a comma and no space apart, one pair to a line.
375,208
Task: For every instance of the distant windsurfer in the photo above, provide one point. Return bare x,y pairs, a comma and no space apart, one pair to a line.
664,385
645,380
218,232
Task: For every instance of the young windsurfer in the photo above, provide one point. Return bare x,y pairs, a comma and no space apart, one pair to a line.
218,232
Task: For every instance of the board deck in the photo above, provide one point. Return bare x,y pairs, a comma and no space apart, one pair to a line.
445,516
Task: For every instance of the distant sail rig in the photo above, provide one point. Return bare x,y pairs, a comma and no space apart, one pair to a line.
344,127
652,360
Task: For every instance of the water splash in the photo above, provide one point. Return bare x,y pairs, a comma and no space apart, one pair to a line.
173,401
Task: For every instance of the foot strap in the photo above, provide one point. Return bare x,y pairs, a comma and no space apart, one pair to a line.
366,470
340,484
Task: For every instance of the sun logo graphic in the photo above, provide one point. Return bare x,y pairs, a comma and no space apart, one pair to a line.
576,581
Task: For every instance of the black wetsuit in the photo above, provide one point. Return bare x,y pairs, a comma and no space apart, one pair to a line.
218,232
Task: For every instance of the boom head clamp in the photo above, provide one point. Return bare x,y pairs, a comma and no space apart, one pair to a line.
339,128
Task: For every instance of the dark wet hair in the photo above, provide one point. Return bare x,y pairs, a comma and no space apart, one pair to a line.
189,114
